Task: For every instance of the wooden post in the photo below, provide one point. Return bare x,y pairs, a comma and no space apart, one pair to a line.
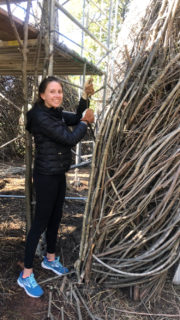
49,24
28,144
28,140
51,36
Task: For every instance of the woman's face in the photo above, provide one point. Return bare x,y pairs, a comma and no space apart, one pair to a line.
53,95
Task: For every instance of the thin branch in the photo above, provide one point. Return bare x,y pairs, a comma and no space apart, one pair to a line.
13,25
146,314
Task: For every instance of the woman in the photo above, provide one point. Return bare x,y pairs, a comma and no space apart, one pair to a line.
53,142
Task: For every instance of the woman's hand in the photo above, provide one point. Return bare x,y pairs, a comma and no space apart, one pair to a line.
88,89
88,116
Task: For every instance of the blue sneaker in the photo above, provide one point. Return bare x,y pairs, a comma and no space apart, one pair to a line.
55,266
30,286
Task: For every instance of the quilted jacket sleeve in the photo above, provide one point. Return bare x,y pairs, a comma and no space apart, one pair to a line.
57,130
71,118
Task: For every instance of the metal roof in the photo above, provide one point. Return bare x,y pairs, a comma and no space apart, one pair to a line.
66,61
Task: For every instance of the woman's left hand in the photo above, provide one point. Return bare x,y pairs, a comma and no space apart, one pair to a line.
88,89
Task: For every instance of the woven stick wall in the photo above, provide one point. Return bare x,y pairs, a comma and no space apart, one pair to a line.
131,228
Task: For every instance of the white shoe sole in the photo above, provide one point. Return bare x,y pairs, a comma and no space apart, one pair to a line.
49,268
29,294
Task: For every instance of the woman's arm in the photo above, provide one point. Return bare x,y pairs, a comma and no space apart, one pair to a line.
71,118
58,131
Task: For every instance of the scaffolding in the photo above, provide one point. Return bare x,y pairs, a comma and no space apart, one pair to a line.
62,59
44,51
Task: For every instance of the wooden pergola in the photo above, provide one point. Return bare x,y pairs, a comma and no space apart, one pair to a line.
66,61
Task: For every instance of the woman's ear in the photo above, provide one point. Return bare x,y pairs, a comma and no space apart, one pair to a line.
42,96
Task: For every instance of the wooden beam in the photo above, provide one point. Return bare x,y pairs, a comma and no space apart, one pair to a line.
65,63
14,43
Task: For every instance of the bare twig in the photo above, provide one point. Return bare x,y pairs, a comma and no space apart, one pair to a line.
13,25
49,303
7,143
85,305
78,305
56,277
130,234
146,314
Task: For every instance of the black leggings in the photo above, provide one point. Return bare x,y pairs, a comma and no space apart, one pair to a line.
50,193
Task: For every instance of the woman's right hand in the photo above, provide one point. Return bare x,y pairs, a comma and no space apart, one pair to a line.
88,116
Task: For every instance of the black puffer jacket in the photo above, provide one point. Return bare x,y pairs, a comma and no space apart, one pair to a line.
53,139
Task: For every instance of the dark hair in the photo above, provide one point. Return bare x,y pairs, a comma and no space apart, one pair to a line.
44,83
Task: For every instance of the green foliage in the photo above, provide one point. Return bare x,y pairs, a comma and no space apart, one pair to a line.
97,15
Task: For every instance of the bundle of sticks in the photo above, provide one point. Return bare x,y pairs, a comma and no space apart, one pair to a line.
131,227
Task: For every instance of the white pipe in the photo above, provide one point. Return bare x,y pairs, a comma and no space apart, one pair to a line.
80,25
23,197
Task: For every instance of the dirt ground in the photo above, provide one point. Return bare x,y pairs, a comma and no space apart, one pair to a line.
64,297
